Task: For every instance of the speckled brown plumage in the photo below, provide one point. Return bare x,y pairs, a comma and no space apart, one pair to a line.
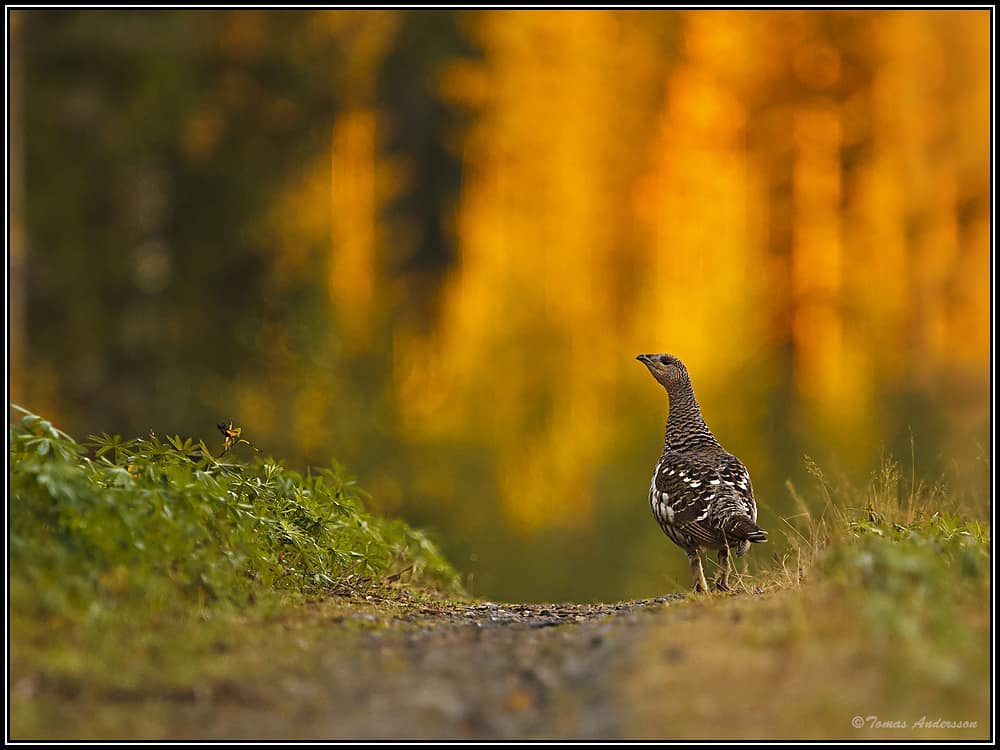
700,494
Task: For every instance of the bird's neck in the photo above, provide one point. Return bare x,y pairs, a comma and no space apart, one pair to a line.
686,427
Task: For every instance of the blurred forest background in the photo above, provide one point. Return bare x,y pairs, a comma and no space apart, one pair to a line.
431,243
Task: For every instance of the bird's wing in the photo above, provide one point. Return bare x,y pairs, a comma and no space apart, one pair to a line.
702,493
736,495
687,486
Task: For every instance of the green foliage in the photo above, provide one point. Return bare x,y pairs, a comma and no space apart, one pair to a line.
902,555
918,586
168,524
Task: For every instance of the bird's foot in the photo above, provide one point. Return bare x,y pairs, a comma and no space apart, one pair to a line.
697,574
721,585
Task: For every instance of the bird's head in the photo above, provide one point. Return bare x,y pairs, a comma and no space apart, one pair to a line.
666,368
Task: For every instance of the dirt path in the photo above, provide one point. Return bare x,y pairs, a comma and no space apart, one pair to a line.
394,666
372,667
490,670
477,670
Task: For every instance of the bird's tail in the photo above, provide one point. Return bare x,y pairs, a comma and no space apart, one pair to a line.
742,528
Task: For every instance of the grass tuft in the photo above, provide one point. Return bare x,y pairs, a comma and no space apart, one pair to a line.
901,561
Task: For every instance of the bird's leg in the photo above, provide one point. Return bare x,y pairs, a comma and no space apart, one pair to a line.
700,584
722,580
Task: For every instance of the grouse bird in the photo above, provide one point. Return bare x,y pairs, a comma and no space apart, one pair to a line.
700,494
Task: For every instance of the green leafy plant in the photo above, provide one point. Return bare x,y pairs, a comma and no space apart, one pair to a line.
94,526
903,562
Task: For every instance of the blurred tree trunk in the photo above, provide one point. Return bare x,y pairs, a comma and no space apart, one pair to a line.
18,229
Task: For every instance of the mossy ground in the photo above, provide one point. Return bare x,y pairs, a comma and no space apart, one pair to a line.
800,664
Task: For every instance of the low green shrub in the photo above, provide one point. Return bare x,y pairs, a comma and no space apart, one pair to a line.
167,522
906,563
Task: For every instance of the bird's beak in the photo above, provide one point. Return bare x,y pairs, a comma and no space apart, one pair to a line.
645,359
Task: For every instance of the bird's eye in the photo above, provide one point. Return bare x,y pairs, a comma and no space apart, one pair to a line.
664,361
